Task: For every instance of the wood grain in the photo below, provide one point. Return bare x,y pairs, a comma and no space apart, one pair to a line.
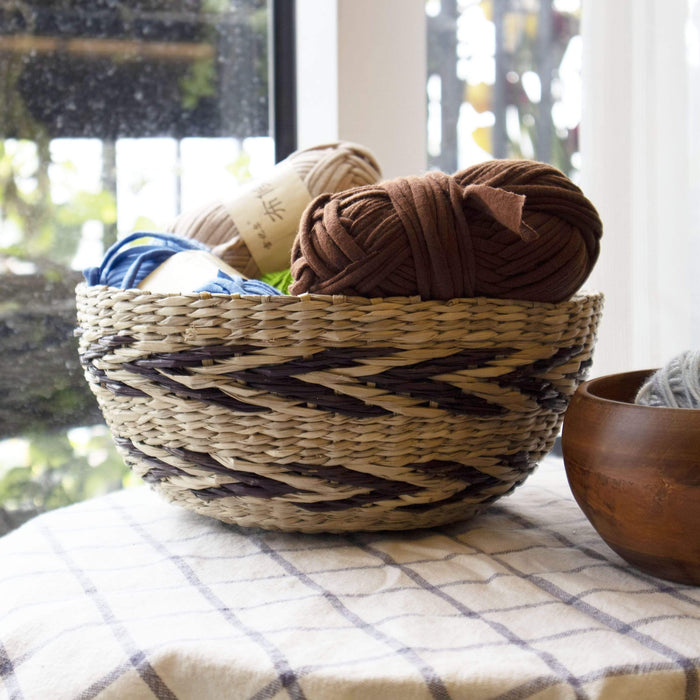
635,473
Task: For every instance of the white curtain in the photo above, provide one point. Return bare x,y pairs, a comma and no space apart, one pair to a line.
640,167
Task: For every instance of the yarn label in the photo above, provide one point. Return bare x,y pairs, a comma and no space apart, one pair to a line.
267,213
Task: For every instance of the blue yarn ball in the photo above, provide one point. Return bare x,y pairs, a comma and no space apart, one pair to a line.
225,284
125,266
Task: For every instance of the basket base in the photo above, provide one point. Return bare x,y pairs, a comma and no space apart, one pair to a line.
284,517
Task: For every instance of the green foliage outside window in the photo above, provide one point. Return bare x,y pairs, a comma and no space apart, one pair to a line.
42,465
54,446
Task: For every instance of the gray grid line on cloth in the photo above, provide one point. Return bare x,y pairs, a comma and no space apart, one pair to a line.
535,685
268,690
93,690
529,688
176,587
602,589
312,668
301,672
627,669
524,576
98,526
47,641
662,618
285,674
563,673
272,577
592,611
121,568
675,590
136,656
271,689
433,682
7,673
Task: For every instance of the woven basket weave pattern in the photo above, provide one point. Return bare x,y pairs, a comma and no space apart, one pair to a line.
319,413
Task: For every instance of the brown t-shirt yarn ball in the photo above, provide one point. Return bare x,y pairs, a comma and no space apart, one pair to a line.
515,229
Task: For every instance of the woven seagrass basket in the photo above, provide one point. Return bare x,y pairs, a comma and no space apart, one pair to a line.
319,413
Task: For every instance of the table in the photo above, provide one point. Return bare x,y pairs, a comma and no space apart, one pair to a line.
128,596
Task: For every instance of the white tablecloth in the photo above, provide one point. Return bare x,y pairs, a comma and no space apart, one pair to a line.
129,597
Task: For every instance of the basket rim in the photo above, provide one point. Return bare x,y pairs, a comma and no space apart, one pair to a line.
581,296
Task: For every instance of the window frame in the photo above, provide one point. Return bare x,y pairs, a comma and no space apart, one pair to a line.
282,62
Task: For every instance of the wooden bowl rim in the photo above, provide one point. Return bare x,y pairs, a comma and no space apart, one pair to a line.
589,410
588,390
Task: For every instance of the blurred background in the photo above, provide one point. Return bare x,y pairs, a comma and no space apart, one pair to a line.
117,115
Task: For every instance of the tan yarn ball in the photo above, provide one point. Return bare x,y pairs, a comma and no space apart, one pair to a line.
329,167
514,229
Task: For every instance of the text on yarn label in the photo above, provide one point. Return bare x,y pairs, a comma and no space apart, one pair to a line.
267,216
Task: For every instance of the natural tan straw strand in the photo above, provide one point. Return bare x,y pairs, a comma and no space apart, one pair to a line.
329,167
323,413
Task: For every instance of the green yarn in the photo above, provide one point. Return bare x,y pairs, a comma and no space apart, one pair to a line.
280,280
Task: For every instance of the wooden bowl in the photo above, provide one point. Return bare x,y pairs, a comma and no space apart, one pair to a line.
635,473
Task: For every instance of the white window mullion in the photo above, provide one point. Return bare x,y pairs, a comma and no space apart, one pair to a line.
361,77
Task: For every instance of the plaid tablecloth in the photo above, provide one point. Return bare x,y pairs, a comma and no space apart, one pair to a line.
129,597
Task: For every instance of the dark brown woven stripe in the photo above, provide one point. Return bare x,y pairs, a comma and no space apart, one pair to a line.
105,344
195,357
416,381
521,461
582,373
118,388
157,469
247,484
378,489
330,358
336,474
280,379
457,471
146,368
321,397
357,501
283,379
526,380
454,498
383,489
242,489
411,380
207,395
253,485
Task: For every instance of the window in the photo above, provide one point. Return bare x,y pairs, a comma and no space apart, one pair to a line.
114,117
504,82
491,93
